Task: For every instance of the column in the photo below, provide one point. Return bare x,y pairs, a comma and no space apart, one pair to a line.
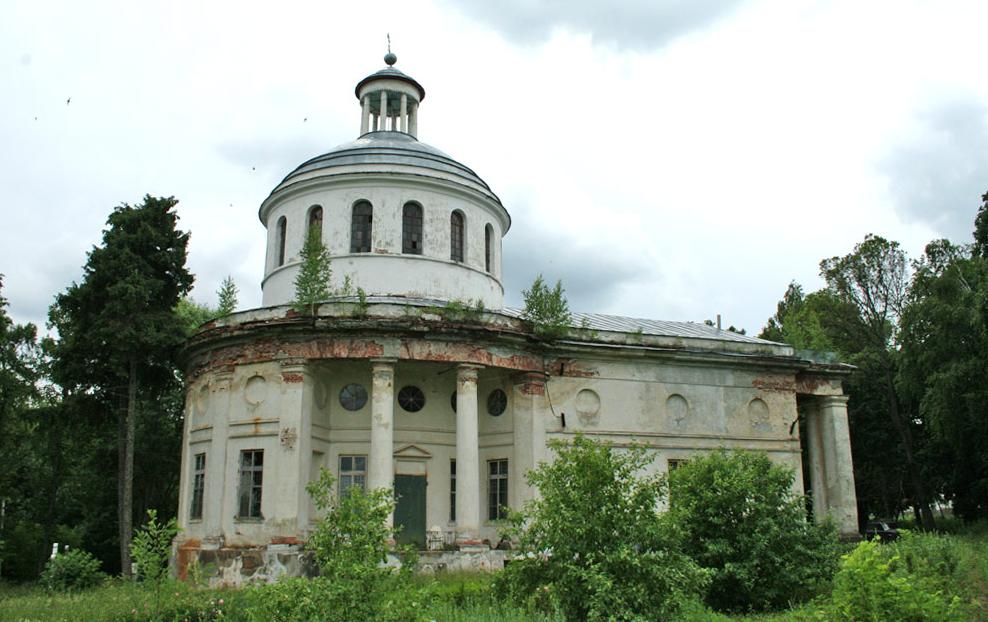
403,115
380,468
528,407
413,119
814,446
383,116
841,497
294,449
365,115
467,458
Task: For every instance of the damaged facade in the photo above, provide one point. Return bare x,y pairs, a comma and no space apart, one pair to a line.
430,386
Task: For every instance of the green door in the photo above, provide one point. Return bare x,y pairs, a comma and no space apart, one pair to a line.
410,509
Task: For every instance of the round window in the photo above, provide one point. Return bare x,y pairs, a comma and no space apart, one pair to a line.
497,401
353,396
411,399
452,401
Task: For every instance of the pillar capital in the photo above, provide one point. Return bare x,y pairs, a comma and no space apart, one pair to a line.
834,401
468,371
384,364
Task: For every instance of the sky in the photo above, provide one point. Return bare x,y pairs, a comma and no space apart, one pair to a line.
667,159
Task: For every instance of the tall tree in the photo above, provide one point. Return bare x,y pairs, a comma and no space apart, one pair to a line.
312,280
117,328
981,228
227,297
873,280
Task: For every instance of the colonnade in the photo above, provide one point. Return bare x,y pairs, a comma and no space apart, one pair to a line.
405,121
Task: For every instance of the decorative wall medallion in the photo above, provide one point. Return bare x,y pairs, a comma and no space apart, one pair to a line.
288,436
759,416
353,396
678,409
411,399
497,402
256,390
588,407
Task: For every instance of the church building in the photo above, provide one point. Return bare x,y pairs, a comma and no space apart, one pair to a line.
417,378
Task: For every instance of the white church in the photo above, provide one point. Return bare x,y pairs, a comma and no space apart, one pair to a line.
430,386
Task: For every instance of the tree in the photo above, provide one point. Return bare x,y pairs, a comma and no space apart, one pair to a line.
192,315
312,280
873,280
546,309
118,331
741,522
791,301
981,228
227,296
594,541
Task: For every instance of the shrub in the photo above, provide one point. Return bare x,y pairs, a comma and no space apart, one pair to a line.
151,548
74,570
872,586
593,545
546,309
741,521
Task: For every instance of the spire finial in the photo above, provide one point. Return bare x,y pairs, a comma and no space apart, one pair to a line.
390,58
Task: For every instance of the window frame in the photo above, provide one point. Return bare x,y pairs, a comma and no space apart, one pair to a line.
281,239
360,229
457,236
198,486
452,490
489,248
412,228
311,218
251,485
352,476
497,489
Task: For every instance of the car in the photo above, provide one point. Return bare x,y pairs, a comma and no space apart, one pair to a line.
880,530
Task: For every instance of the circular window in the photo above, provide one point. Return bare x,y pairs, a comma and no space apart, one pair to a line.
452,401
411,399
497,401
353,397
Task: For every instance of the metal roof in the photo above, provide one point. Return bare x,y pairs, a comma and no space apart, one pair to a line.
394,74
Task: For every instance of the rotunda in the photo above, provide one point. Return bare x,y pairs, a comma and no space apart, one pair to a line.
426,385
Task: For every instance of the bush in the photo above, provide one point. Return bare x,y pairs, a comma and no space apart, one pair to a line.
546,309
74,570
151,548
592,544
873,586
741,521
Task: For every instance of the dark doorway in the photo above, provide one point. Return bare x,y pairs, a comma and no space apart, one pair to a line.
410,509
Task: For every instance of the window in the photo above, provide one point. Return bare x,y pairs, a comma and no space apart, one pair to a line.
675,463
456,236
411,399
497,402
452,491
198,486
497,489
280,241
353,472
360,227
411,229
353,396
251,477
488,247
315,221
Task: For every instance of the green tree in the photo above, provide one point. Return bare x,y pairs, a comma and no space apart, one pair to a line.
741,522
873,279
118,331
227,296
312,280
192,315
981,229
594,541
546,309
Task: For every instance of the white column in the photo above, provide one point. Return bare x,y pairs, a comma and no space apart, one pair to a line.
467,458
365,115
294,452
384,112
814,446
841,498
413,119
380,470
527,411
403,116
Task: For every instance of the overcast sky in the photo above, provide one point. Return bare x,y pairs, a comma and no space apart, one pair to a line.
669,159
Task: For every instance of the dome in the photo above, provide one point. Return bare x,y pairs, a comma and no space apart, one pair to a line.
394,74
393,152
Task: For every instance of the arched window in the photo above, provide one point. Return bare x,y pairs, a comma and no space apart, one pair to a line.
488,247
360,227
279,252
411,229
456,236
315,221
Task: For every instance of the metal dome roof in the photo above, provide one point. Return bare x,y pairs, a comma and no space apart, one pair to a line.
391,72
393,149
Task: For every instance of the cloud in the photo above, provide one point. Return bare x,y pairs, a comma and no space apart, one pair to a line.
592,273
633,24
937,175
